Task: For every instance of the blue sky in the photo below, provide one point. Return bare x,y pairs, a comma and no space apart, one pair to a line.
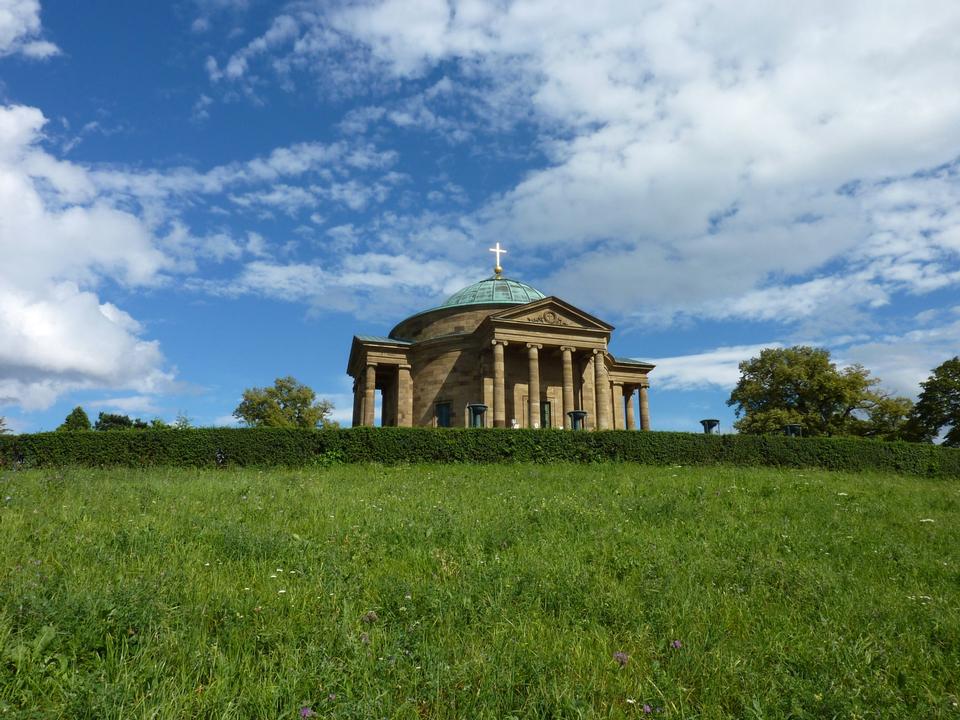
199,196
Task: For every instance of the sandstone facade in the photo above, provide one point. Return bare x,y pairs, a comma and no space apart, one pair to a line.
529,359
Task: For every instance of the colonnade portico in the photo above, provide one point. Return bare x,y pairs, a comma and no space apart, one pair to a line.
498,354
583,371
628,404
383,366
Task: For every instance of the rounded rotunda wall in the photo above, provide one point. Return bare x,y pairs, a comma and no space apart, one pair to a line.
463,311
442,321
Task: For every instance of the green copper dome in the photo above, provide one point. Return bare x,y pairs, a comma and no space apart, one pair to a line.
494,290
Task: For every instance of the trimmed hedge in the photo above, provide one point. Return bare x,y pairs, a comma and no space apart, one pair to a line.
281,447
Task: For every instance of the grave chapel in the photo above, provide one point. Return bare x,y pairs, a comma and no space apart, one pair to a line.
498,353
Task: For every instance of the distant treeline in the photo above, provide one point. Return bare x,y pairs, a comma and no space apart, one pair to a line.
271,447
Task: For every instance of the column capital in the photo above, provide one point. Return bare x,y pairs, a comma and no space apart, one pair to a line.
534,346
496,341
404,366
598,351
370,364
567,348
617,384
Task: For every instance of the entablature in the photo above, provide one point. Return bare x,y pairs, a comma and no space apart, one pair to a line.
550,322
625,371
367,350
522,333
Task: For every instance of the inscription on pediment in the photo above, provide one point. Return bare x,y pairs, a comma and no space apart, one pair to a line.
549,317
552,312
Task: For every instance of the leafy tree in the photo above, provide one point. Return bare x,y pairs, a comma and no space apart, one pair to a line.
800,385
111,421
76,420
938,406
3,425
288,403
183,422
887,418
158,423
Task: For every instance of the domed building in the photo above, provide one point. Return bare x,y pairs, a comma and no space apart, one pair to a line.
498,353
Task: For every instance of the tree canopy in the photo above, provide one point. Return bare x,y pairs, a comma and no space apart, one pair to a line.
800,385
288,403
76,420
938,406
3,425
111,421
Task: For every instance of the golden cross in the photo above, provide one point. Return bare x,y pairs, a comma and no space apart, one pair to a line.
498,251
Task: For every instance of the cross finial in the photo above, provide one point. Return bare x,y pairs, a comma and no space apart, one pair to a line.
498,251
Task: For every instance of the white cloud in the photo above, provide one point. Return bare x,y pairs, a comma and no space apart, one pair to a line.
136,404
66,229
695,152
366,284
60,239
714,368
905,360
900,361
330,163
58,338
20,30
256,245
283,29
201,108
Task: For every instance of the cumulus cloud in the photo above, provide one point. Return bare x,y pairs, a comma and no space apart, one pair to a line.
68,229
60,240
137,404
365,284
328,169
738,161
20,30
902,361
717,368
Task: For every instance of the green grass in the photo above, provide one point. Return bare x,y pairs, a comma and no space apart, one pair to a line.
498,592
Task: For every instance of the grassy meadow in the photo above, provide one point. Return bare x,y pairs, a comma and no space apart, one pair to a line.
525,591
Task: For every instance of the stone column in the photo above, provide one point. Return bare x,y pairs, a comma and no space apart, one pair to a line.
616,405
369,390
357,400
644,409
533,385
499,393
567,386
404,397
602,388
628,401
589,399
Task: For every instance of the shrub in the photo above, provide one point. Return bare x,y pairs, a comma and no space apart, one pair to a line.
264,447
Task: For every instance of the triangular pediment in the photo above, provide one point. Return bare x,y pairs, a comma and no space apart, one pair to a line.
552,311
